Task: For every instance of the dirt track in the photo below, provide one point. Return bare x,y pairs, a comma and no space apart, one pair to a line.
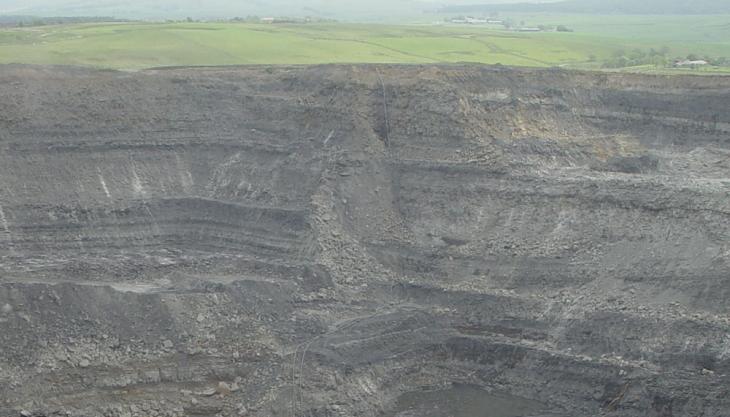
316,241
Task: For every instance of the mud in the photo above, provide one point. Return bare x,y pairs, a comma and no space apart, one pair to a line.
319,241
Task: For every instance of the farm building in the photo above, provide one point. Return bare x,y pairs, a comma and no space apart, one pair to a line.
688,63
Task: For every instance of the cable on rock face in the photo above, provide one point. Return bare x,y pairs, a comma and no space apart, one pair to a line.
385,108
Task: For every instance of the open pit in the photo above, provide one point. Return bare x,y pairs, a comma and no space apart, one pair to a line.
363,241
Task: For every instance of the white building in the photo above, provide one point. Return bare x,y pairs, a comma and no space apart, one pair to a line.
688,63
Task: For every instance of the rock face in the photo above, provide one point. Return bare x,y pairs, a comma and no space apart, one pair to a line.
316,241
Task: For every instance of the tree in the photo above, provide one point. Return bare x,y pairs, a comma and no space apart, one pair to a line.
637,55
659,61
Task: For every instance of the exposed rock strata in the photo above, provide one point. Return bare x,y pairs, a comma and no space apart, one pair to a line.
299,242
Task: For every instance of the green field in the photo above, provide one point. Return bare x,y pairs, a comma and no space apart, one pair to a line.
143,45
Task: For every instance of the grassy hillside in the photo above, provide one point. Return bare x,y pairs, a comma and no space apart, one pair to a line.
645,7
134,46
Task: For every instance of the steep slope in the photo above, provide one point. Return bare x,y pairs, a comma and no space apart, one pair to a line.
320,240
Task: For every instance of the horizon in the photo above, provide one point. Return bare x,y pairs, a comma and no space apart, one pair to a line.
353,10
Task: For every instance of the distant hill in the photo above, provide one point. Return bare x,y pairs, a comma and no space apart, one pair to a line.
12,20
222,9
356,10
679,7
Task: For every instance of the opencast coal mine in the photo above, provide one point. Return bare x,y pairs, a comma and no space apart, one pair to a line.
363,241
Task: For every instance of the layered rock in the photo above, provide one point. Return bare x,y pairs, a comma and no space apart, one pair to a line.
318,240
